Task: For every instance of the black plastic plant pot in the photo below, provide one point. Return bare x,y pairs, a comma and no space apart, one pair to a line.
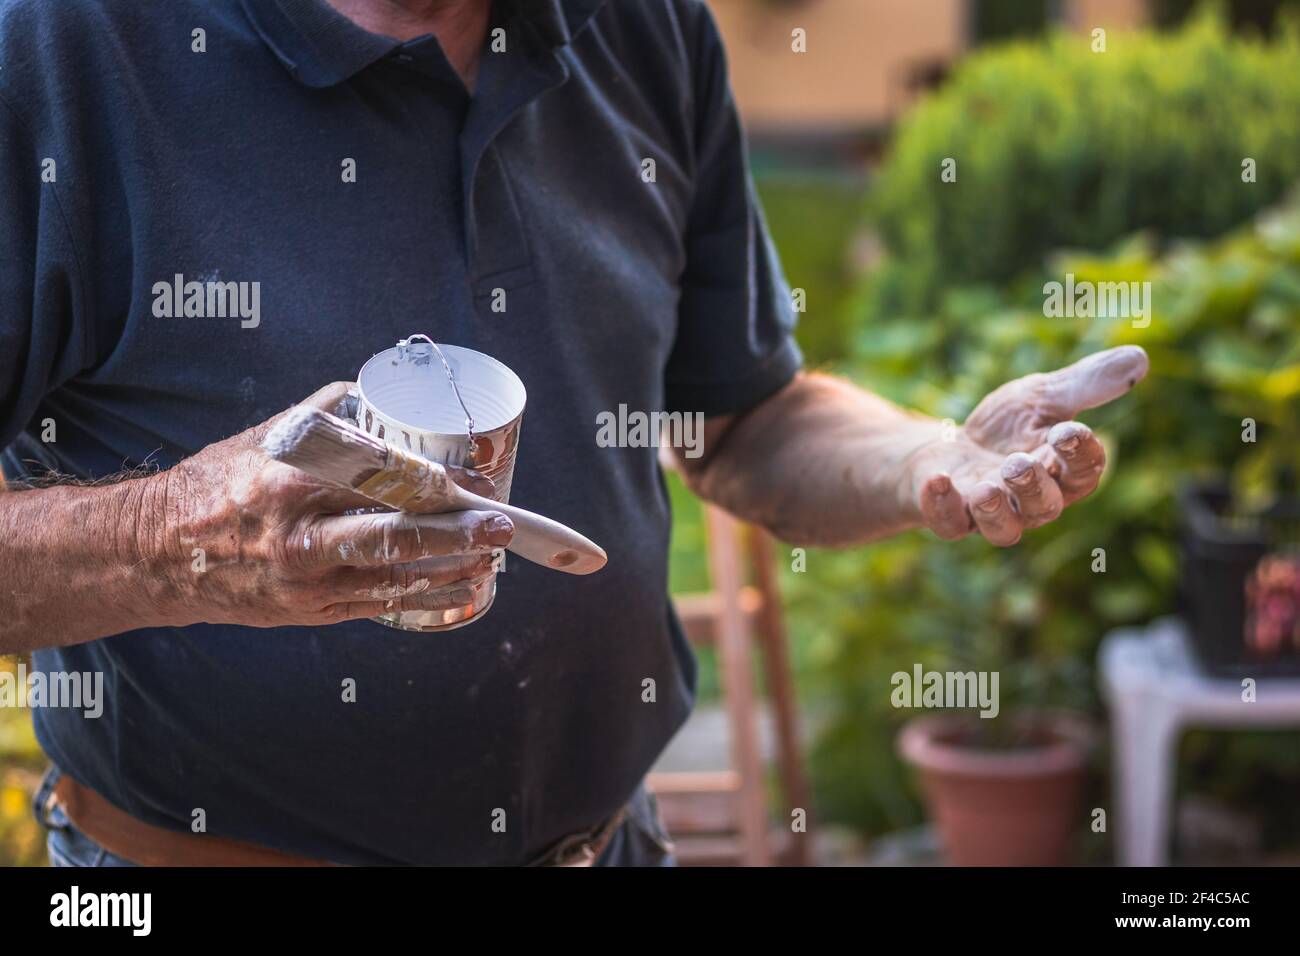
1240,584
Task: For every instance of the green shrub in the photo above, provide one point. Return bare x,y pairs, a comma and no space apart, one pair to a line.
1224,342
22,841
1059,146
813,220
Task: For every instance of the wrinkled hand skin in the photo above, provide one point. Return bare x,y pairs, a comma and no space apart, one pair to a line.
278,550
1020,458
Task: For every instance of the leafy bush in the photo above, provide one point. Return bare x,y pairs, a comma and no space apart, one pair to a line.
22,841
1224,342
1059,146
813,220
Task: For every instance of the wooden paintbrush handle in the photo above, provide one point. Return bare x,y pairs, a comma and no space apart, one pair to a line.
547,542
419,485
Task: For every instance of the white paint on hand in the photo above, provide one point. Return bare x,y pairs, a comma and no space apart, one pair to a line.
384,591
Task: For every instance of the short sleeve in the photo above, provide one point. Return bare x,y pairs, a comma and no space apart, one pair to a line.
735,334
42,330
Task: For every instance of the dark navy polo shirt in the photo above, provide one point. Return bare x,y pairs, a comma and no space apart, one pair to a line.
228,165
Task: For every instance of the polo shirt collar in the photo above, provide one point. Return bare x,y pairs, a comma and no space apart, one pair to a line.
318,45
557,21
321,47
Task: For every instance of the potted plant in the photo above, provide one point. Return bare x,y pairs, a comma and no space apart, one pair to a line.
1003,780
1240,578
997,800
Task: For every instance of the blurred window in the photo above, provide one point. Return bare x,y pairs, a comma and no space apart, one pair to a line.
1245,15
994,20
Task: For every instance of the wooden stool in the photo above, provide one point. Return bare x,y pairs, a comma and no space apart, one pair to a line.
721,817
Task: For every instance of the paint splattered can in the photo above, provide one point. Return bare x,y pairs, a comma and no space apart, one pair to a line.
452,405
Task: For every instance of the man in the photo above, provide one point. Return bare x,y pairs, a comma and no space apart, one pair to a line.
558,183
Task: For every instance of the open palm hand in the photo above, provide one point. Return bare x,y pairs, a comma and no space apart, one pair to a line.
1020,458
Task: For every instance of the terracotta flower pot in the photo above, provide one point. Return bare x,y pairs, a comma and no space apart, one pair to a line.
1005,807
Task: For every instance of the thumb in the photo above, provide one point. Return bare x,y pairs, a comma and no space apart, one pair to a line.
331,398
1097,379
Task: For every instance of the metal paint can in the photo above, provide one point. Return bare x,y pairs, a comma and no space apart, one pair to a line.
466,413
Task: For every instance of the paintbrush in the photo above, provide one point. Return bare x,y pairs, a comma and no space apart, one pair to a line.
342,454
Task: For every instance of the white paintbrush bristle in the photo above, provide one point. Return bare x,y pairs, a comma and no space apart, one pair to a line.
325,446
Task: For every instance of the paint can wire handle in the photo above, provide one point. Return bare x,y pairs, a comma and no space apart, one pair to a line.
407,351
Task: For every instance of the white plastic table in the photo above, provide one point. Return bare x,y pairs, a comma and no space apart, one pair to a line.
1155,689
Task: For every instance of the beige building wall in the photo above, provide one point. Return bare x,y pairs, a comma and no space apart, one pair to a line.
1084,15
860,54
854,70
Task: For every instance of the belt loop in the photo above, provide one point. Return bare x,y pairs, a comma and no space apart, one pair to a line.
47,802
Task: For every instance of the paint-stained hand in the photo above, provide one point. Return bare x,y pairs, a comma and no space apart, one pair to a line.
243,539
1020,458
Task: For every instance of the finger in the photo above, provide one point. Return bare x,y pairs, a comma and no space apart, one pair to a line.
1037,496
1096,379
458,593
395,537
472,480
942,509
327,399
331,398
347,408
401,580
443,566
1082,459
446,598
991,510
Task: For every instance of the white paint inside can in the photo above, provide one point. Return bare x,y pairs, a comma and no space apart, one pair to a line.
420,396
